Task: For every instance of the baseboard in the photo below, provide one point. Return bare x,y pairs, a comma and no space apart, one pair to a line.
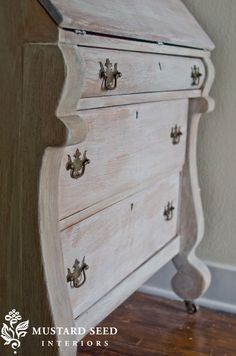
221,294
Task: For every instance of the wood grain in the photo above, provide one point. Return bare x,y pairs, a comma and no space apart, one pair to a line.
93,209
115,100
42,80
110,239
129,285
38,26
163,21
193,277
135,149
99,41
28,125
143,330
141,73
39,129
11,62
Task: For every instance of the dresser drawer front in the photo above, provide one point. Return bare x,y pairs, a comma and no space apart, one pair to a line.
119,239
140,72
127,146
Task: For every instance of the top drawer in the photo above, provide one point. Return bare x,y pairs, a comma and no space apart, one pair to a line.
94,72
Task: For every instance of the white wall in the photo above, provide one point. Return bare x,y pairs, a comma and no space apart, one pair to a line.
217,134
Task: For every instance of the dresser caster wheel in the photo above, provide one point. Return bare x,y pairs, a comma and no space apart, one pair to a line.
190,307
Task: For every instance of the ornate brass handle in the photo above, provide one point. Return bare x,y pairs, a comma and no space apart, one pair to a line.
168,211
109,76
176,134
78,277
195,75
77,167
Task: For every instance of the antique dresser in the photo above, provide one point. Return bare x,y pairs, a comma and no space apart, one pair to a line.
101,102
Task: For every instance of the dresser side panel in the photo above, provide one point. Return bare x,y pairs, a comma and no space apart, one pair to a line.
40,128
11,111
38,25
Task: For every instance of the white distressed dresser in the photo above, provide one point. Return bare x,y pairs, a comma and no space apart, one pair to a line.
101,101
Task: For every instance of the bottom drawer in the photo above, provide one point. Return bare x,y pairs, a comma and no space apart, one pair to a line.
118,239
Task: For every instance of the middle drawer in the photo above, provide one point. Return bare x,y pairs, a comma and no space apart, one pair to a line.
127,147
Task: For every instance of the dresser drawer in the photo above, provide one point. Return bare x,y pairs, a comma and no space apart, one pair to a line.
127,147
119,239
92,72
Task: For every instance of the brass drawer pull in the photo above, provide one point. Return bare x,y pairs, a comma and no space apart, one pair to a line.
195,75
168,211
77,167
109,76
78,277
176,134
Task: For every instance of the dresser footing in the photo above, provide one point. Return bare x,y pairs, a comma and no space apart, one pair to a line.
191,308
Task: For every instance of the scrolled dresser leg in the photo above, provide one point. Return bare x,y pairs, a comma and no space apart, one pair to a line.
193,277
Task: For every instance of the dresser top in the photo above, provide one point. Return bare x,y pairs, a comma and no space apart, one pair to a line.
166,21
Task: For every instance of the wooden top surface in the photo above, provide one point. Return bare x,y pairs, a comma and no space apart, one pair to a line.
165,21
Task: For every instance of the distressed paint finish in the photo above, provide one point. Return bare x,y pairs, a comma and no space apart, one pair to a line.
193,277
163,21
119,239
42,124
141,72
137,149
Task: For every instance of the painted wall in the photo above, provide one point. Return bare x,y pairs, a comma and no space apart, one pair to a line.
217,134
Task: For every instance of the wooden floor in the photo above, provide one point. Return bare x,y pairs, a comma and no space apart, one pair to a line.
154,326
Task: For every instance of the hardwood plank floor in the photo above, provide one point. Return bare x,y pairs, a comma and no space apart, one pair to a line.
150,325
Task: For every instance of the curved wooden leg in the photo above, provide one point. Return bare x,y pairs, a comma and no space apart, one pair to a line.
193,277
